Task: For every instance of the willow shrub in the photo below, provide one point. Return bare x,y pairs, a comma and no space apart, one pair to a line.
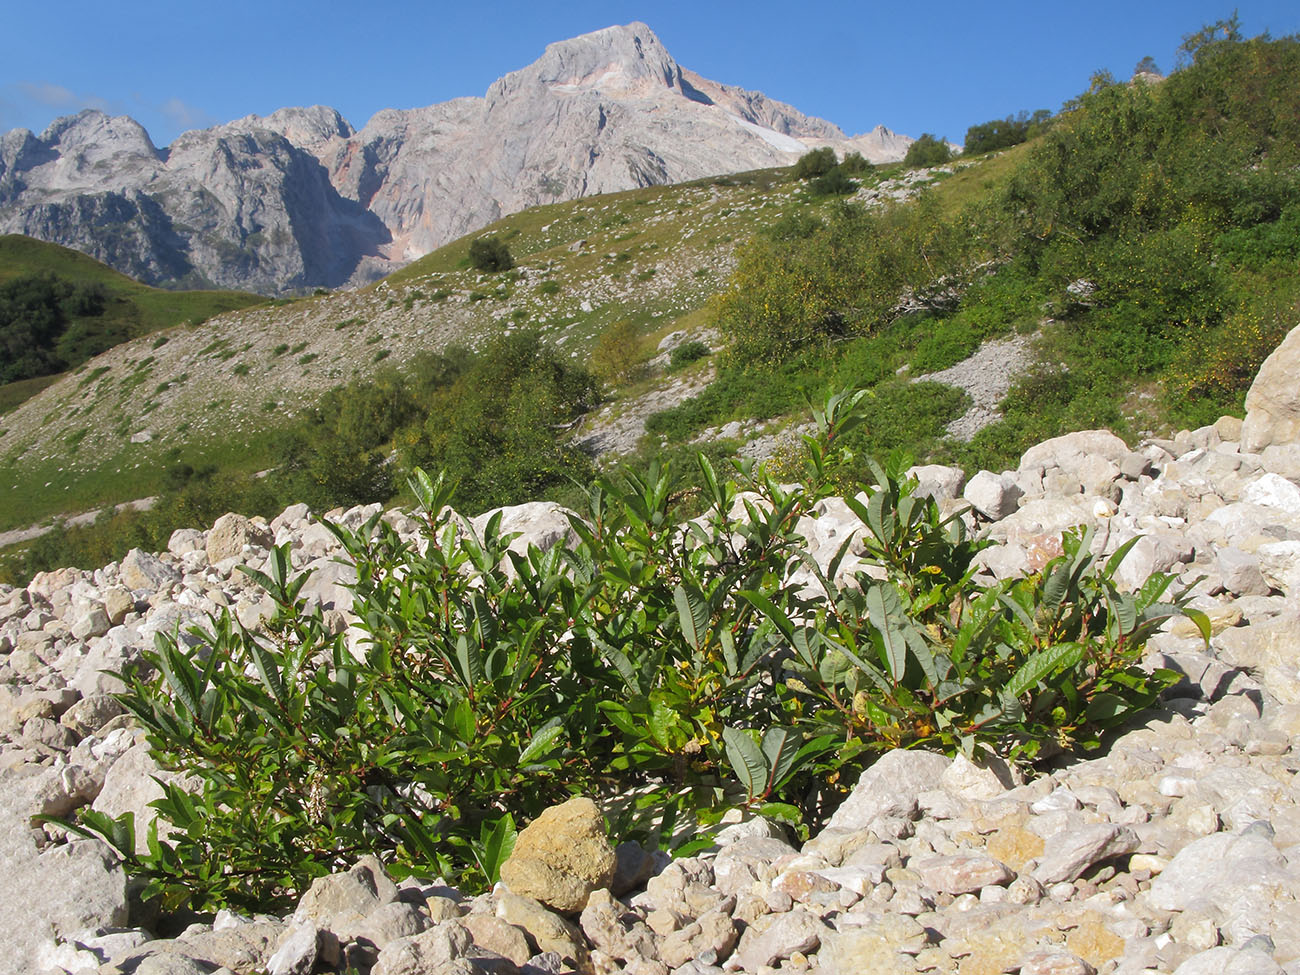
672,668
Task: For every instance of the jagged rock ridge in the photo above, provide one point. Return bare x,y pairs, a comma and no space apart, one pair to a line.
299,199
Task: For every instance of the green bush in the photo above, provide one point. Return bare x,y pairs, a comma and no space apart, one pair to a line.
686,353
490,254
927,151
1004,133
687,663
833,183
818,162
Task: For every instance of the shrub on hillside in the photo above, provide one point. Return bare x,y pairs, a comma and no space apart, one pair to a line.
1004,133
686,353
818,162
490,254
927,151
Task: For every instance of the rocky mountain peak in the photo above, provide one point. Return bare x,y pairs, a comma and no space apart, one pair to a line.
96,135
307,128
622,59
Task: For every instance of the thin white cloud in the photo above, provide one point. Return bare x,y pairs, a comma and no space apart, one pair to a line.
185,116
58,97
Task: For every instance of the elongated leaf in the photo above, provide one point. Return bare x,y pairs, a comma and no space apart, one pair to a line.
893,644
770,610
1124,609
496,846
1119,555
267,669
780,749
1201,620
178,674
693,613
662,720
541,742
746,760
1043,663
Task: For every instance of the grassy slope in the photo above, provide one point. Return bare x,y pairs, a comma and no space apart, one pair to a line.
212,393
134,307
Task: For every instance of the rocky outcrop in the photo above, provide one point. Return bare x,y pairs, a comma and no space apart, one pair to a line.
1173,850
298,199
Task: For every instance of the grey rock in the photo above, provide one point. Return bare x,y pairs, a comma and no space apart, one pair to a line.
1069,853
1272,402
441,945
231,533
297,952
1229,961
342,902
797,931
142,571
890,787
962,873
993,495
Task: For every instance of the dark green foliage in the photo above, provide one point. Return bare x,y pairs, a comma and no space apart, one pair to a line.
686,353
44,327
818,162
686,662
833,183
855,165
498,426
927,151
1004,133
490,254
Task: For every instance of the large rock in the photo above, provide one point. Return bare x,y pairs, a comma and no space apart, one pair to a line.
143,571
230,535
342,902
544,524
890,788
993,495
130,786
561,857
1273,400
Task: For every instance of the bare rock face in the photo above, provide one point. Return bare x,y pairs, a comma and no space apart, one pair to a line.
298,199
561,857
1273,400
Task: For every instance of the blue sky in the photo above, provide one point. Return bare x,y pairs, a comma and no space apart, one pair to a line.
938,66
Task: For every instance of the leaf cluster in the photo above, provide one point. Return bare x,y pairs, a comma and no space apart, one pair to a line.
673,668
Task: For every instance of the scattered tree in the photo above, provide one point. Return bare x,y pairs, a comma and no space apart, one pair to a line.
490,254
927,151
819,162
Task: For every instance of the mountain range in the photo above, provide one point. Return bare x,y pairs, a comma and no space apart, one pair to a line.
299,199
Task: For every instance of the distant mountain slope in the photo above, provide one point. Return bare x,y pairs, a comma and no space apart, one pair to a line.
299,199
59,307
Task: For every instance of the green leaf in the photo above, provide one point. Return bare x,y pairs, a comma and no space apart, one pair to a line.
1062,656
693,613
893,643
746,759
662,720
541,742
1106,707
780,750
495,846
770,610
1201,620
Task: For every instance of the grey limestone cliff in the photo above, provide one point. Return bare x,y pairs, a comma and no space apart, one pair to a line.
299,199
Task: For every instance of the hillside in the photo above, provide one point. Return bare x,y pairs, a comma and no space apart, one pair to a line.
992,311
299,199
108,308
